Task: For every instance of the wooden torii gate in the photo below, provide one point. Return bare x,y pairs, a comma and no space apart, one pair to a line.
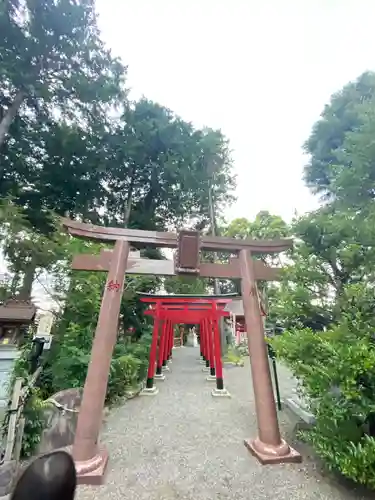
90,458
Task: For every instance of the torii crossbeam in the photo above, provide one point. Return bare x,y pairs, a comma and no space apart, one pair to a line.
268,447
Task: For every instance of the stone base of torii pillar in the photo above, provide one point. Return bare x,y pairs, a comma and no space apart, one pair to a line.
92,472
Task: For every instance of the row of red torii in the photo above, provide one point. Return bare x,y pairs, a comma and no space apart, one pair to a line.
268,447
168,311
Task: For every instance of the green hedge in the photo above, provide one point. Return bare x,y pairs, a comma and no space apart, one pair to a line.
336,370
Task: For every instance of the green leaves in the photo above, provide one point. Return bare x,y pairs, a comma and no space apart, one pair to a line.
329,139
265,226
185,285
337,369
55,54
330,283
158,176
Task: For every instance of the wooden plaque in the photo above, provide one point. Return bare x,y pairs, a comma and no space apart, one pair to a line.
188,252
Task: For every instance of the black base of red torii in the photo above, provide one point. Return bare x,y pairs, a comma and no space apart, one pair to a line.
168,310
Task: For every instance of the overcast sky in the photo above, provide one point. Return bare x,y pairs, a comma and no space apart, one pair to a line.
261,70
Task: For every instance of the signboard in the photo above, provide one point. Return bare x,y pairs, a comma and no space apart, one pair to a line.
44,329
45,325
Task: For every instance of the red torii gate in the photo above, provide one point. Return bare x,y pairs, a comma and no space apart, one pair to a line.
169,310
90,456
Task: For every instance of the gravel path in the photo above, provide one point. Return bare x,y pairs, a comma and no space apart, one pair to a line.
185,444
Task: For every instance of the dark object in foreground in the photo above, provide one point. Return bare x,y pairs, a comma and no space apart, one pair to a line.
50,477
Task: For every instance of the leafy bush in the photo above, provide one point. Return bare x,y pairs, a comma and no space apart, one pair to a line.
33,413
234,356
336,370
70,359
141,350
66,367
124,374
128,367
243,348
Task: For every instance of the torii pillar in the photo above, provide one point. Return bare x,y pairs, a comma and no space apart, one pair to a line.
268,447
91,460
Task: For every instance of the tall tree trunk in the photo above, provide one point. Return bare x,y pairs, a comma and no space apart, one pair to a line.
217,291
9,116
28,280
129,201
14,284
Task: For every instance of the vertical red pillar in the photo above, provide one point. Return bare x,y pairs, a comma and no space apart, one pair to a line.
173,334
168,340
217,350
268,447
202,339
166,343
206,342
153,349
171,330
161,351
211,346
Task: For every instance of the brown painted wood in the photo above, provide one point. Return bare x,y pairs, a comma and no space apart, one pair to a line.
169,240
85,262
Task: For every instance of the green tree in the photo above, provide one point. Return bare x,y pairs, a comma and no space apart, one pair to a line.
345,114
353,177
144,173
330,252
157,177
53,61
185,285
329,282
265,226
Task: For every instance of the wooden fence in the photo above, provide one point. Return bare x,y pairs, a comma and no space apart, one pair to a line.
16,422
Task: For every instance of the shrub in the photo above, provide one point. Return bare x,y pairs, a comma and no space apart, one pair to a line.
336,371
70,361
124,374
66,367
243,348
34,423
233,356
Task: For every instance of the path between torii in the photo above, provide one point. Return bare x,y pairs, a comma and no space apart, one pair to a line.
185,444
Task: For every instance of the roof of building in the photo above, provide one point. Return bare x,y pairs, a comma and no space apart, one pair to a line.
17,311
188,296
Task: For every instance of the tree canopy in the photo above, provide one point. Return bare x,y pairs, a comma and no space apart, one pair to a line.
71,142
327,291
345,118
